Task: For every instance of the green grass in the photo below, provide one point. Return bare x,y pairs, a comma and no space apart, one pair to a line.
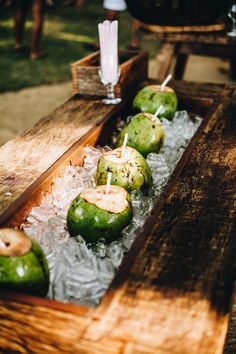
65,33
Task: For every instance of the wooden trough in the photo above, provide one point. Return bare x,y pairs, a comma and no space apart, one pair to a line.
173,291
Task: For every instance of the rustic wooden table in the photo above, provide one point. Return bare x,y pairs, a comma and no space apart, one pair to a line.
176,48
173,291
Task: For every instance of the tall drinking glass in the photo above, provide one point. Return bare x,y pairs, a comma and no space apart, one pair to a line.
109,73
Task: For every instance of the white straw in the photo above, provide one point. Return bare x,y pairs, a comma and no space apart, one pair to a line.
158,111
165,82
108,40
108,185
124,144
2,244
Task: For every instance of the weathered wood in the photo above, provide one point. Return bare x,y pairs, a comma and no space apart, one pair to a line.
172,293
230,343
189,252
24,159
182,29
86,80
164,60
180,65
207,38
216,44
45,330
233,68
20,207
212,50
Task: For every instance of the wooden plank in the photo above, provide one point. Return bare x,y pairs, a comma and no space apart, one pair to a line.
27,329
200,90
181,282
165,59
16,213
24,159
230,343
180,65
211,50
213,38
182,29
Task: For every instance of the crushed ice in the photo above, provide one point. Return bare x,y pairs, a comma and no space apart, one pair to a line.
81,273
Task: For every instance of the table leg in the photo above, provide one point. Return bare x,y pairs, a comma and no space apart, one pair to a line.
180,66
233,68
165,59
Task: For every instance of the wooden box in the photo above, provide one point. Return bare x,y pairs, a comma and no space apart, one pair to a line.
86,80
173,290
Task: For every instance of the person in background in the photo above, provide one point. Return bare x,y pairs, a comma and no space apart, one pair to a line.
112,11
113,8
78,3
38,21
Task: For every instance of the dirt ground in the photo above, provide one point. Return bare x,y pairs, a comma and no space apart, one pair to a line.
21,109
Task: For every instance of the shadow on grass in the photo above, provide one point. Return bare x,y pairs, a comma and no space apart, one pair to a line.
66,32
20,71
60,41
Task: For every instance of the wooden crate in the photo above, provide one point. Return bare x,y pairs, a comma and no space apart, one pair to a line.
173,290
86,80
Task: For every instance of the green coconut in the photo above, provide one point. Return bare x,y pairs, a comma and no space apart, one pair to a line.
23,266
151,97
145,134
129,171
93,214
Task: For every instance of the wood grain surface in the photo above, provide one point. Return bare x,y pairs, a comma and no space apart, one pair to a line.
207,38
188,260
165,58
173,291
133,71
24,159
230,342
183,29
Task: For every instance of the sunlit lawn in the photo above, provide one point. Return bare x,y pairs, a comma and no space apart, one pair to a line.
65,34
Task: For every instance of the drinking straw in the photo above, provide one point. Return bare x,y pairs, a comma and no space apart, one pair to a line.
124,144
108,40
108,184
165,82
158,111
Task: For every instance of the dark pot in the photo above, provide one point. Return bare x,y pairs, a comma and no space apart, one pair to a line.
178,12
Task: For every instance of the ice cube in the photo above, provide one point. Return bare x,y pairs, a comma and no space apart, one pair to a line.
81,273
115,253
